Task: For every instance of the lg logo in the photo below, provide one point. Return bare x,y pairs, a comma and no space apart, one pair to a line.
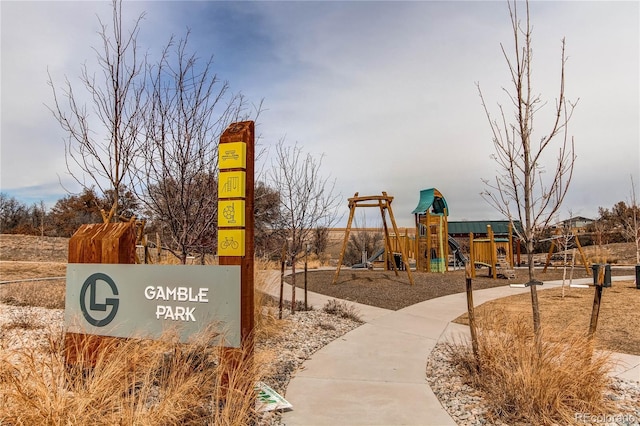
91,285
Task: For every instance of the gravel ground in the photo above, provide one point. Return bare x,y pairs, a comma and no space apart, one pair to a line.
386,290
308,331
301,335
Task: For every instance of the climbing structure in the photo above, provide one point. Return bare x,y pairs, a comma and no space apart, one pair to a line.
494,253
383,202
432,251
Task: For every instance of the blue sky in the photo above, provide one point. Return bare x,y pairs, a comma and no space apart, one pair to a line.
385,90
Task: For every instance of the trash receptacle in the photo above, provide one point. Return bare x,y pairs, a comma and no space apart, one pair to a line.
397,258
638,277
607,274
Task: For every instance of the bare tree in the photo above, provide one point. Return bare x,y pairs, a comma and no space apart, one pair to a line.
364,240
566,240
188,109
306,200
632,221
102,140
524,190
268,239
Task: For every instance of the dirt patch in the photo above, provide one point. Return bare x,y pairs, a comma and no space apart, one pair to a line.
618,327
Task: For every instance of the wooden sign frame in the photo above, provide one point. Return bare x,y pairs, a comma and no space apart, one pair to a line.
236,157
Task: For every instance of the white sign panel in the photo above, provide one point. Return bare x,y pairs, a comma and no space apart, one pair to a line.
144,301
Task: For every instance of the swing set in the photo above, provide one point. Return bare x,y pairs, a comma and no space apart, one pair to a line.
554,245
383,202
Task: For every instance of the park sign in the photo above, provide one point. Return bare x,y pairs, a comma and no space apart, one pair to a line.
145,301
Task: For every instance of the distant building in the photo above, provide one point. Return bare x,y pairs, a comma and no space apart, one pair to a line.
576,224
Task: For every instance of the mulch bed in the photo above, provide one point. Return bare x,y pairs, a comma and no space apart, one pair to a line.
386,290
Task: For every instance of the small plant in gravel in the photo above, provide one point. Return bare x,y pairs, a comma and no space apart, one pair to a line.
326,326
301,308
536,384
22,319
342,309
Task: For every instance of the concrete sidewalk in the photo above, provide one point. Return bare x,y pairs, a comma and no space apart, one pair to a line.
375,374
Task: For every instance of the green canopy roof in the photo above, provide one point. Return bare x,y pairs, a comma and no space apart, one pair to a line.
500,227
431,197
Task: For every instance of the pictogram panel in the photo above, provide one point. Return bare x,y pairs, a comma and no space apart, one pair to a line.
231,213
232,184
232,155
231,242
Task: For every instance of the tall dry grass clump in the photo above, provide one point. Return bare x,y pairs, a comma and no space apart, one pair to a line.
130,382
522,384
266,322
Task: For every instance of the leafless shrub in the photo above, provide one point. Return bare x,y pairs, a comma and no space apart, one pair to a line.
535,384
342,309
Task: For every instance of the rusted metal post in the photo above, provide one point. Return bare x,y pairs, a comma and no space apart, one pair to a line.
597,297
282,264
472,318
306,254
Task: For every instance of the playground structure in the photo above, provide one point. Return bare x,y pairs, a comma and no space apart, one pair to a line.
572,236
494,253
432,247
368,262
432,242
398,243
383,202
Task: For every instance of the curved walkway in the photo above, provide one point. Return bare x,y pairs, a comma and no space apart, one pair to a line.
375,374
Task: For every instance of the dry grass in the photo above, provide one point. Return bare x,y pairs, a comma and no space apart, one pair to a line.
33,248
615,253
617,330
524,386
132,382
46,293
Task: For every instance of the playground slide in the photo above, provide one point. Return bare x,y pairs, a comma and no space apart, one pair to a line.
377,254
457,251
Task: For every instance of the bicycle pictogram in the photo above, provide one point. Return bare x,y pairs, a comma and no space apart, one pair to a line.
229,242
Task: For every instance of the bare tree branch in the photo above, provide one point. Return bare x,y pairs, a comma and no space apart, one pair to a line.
520,191
189,108
105,153
307,199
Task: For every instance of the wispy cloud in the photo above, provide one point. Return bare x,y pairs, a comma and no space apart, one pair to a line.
386,90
